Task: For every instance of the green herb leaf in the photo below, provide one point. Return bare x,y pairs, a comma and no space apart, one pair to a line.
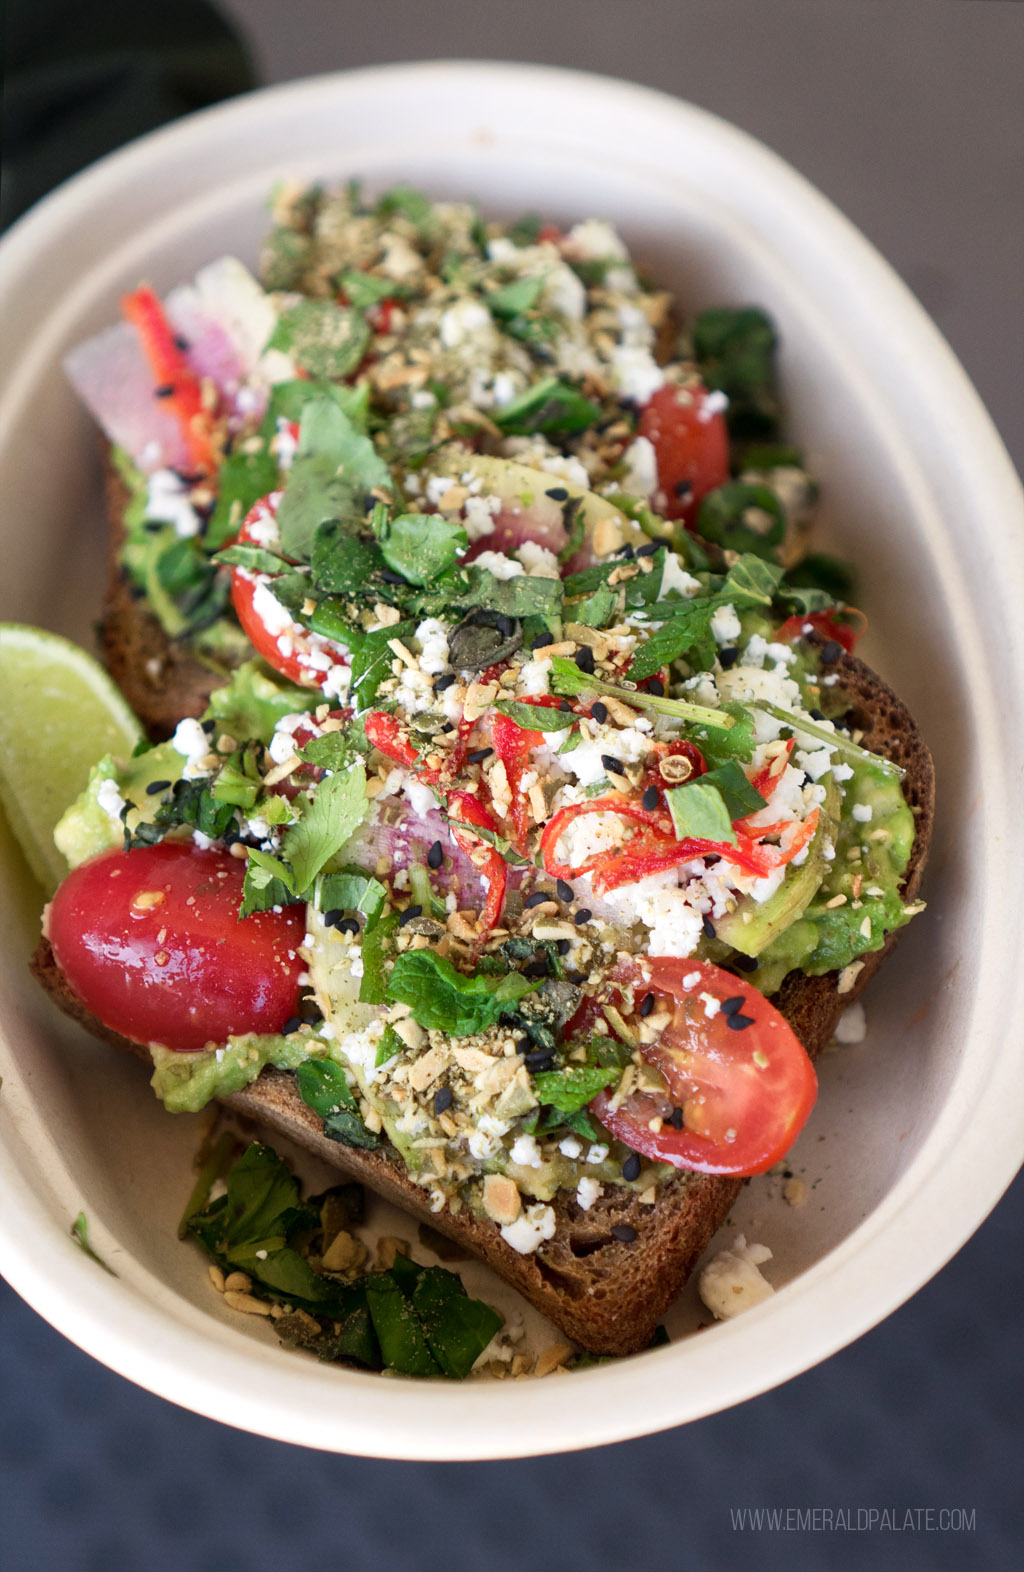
735,351
536,717
323,1086
343,564
422,546
443,999
243,478
568,680
511,299
351,891
376,947
366,289
503,847
256,558
837,739
268,883
699,813
338,807
335,466
80,1234
743,516
570,1089
457,1328
289,399
554,407
390,1044
253,702
371,662
403,1342
407,201
739,796
325,339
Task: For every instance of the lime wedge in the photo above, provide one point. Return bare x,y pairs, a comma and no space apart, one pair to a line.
59,714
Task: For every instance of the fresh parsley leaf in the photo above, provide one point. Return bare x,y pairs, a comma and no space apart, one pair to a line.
289,399
699,813
243,478
325,339
752,580
551,406
332,751
422,546
267,883
443,999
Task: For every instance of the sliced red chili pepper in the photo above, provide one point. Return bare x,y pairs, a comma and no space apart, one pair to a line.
463,806
389,736
827,623
171,371
767,777
513,745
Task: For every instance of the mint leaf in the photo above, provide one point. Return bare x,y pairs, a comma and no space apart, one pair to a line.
323,1086
536,717
443,999
739,796
457,1328
571,1089
699,813
325,339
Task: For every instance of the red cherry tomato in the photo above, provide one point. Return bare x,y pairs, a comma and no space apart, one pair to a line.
745,1091
691,446
845,627
303,657
151,941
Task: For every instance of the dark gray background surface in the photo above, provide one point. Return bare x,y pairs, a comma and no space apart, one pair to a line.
908,114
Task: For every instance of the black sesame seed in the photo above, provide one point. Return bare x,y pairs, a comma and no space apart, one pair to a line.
583,916
562,946
442,1099
613,765
209,726
536,969
740,1022
656,688
708,926
291,1025
682,488
599,712
711,859
575,977
334,916
539,640
626,552
391,578
816,714
408,915
830,652
435,856
745,963
478,755
631,1167
623,1233
156,786
539,1059
675,1119
440,683
728,656
650,799
153,526
311,1012
585,660
563,890
649,549
165,390
348,925
730,1006
565,708
447,726
647,1004
182,343
536,898
557,494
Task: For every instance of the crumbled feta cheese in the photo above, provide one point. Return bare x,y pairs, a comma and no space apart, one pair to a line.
731,1282
467,325
641,472
531,1228
526,1152
167,501
497,563
725,625
570,1146
862,812
675,577
109,798
716,403
539,562
432,637
635,372
597,1154
191,740
594,240
588,1191
852,1025
479,516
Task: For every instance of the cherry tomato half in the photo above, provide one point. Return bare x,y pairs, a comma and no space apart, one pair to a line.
691,446
151,941
745,1089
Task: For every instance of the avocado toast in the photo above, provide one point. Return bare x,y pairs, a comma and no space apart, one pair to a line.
590,743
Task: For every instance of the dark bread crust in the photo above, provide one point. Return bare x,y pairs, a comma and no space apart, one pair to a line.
604,1293
161,679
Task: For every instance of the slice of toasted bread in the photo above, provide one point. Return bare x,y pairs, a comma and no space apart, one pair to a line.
606,1292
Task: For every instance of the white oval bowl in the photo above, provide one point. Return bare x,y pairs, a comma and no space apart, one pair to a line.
918,1130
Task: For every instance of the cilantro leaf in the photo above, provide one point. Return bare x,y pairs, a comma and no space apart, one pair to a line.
337,809
352,891
268,883
289,399
243,478
554,407
443,999
334,466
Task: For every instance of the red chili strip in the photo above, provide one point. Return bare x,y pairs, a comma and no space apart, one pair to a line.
172,372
